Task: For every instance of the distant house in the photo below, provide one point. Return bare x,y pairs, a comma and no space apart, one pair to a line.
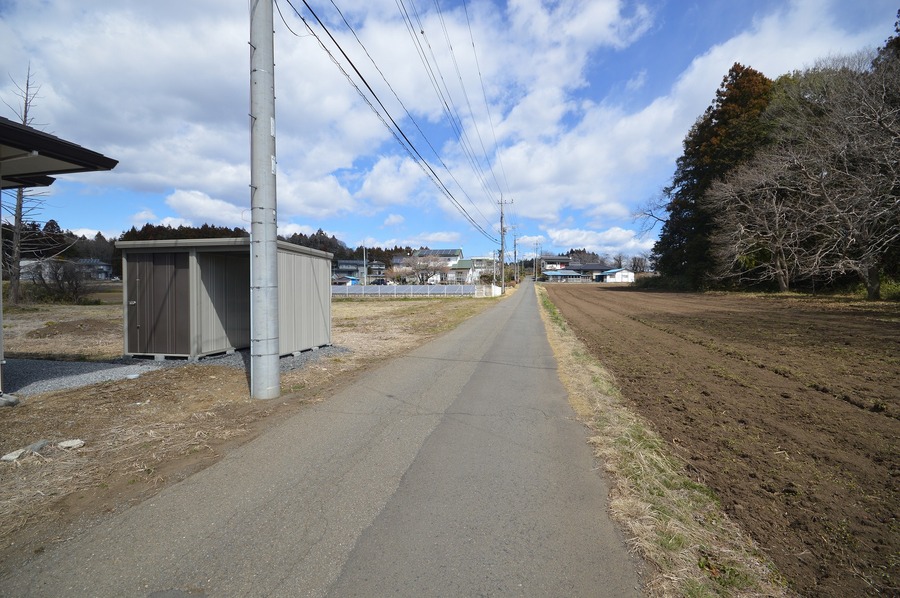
482,266
448,256
462,273
95,269
89,268
615,275
360,270
555,262
562,275
423,260
589,271
376,271
348,268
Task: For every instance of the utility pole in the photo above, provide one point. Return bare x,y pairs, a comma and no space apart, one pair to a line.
503,247
515,254
265,377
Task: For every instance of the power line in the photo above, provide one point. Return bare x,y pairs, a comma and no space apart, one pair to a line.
384,115
484,95
442,91
406,110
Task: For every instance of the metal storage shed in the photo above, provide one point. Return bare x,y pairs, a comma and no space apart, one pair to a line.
191,297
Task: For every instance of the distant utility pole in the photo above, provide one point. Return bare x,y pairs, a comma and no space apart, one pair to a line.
515,254
503,247
265,378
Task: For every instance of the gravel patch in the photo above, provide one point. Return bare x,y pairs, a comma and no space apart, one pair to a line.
26,377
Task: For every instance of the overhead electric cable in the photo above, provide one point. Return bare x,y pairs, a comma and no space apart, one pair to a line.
465,93
484,95
451,111
408,113
395,130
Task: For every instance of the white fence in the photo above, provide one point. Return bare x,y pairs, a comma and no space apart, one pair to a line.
415,290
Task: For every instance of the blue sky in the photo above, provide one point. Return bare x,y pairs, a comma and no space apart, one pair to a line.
574,110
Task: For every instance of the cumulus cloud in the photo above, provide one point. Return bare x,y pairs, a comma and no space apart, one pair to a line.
436,238
143,217
90,233
196,205
391,181
610,241
290,229
394,220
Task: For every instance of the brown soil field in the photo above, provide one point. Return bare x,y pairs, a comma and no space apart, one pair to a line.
786,407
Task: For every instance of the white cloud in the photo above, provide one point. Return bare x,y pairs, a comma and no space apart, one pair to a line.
196,206
290,229
394,220
143,217
391,181
610,241
175,222
637,82
90,233
316,198
436,238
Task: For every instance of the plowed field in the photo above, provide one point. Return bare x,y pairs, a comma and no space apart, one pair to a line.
787,407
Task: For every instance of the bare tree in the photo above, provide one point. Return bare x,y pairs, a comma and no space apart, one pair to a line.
821,200
765,224
397,274
62,280
27,203
426,267
640,263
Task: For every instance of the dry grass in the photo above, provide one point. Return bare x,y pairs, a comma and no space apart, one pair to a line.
674,523
82,332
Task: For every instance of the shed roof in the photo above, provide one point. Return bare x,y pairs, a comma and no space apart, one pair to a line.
592,267
223,244
562,273
29,156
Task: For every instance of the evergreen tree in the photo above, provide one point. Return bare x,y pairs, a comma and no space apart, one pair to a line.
728,133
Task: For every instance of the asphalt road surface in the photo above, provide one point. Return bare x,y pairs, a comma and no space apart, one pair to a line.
457,470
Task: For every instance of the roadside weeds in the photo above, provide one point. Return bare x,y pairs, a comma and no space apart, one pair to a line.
674,523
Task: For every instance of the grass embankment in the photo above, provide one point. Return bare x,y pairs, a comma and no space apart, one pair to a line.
674,523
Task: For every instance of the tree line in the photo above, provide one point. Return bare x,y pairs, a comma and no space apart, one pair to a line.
792,183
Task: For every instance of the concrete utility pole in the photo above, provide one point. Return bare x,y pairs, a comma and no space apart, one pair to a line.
503,247
265,377
516,256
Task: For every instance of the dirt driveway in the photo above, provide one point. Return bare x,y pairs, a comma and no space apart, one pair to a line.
786,407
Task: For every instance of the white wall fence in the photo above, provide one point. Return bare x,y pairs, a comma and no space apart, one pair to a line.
415,290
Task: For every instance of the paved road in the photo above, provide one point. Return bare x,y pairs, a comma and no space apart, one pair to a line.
457,470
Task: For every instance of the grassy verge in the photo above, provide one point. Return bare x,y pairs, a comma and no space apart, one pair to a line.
675,524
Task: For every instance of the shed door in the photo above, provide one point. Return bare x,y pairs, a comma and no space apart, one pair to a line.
158,304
